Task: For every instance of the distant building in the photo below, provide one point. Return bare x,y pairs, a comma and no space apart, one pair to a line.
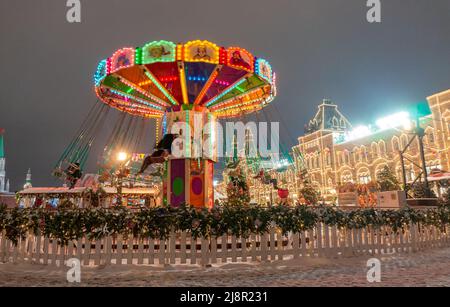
4,182
5,196
334,152
28,184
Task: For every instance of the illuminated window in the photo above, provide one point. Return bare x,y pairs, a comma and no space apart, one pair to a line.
346,177
382,147
375,151
395,144
364,176
335,122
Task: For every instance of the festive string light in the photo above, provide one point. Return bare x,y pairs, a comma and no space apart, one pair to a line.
240,58
180,52
122,58
222,56
263,69
229,96
200,51
226,91
168,79
236,98
144,83
188,135
164,123
183,82
101,72
160,87
207,85
119,93
142,91
224,83
158,51
197,78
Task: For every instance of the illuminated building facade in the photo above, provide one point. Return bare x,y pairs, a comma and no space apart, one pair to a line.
334,152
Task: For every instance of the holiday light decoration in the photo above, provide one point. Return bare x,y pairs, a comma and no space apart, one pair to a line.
161,76
263,69
180,83
159,51
122,58
201,51
240,58
229,89
101,72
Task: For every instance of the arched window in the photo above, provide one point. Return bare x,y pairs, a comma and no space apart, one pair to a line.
363,175
335,122
346,177
404,140
382,147
375,150
330,182
343,123
395,144
363,153
355,154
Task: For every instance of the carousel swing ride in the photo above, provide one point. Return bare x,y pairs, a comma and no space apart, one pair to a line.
184,87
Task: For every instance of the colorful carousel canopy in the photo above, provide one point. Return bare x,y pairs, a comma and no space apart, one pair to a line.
162,76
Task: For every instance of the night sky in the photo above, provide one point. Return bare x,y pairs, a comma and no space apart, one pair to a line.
318,48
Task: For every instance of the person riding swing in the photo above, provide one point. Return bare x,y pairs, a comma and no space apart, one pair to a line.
73,173
162,152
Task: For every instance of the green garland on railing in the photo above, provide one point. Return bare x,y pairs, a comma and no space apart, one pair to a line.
95,223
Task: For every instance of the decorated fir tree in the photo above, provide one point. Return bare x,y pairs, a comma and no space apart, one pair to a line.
237,189
419,190
309,193
386,180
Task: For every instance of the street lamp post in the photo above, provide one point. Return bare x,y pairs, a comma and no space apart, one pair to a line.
122,158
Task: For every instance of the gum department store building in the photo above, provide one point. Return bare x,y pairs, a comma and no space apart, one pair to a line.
331,159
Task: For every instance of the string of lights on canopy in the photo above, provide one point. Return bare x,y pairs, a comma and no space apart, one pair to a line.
162,77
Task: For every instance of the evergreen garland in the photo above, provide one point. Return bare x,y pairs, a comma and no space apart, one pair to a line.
66,225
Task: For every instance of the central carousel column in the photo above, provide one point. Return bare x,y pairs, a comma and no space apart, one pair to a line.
189,172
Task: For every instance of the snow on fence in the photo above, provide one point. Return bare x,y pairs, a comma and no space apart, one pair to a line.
181,248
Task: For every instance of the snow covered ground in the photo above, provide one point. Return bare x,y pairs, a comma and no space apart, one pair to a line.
429,268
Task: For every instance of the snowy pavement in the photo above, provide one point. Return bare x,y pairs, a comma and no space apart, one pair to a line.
428,268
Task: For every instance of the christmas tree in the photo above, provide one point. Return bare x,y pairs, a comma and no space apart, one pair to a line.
309,193
386,180
237,189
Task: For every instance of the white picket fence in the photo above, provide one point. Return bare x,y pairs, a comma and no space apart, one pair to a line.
181,248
